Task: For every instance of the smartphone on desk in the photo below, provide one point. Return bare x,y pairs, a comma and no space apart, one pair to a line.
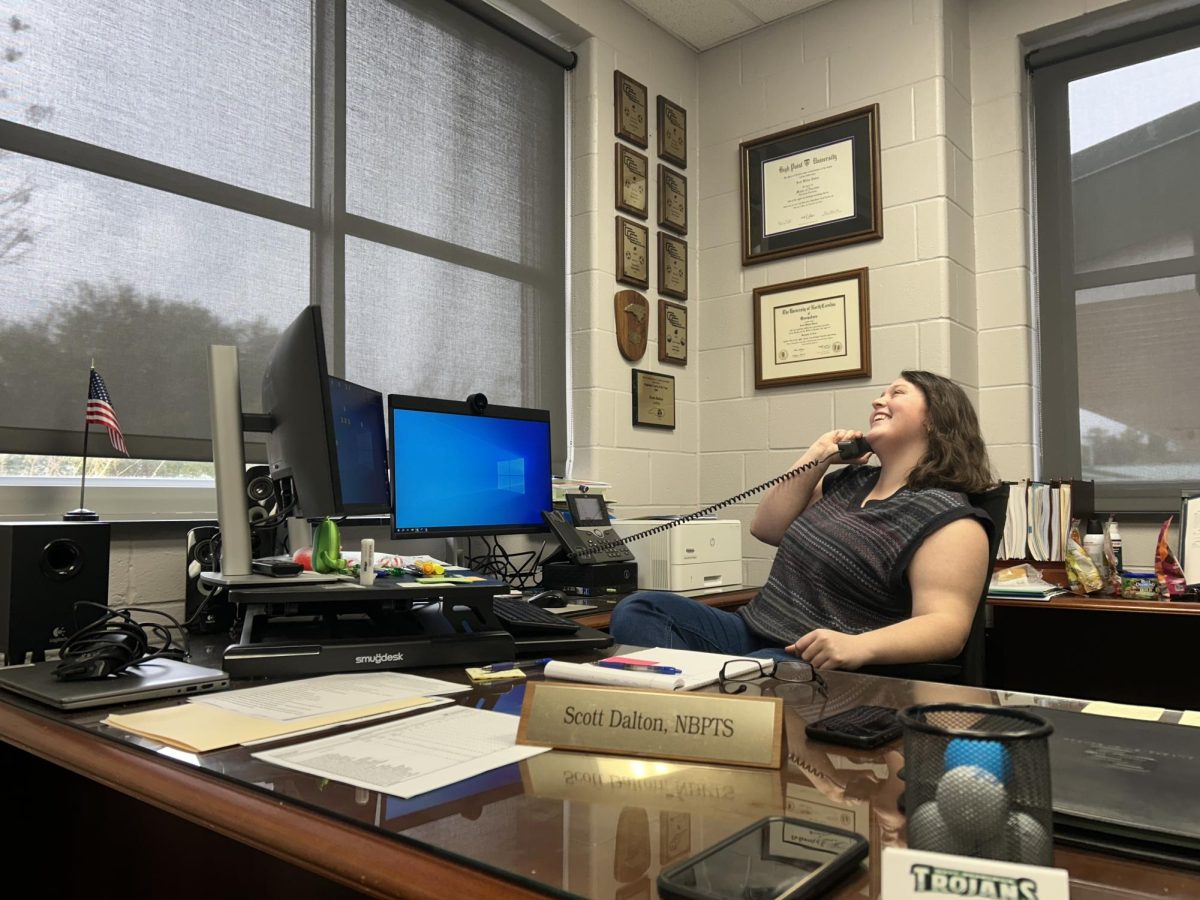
861,726
775,858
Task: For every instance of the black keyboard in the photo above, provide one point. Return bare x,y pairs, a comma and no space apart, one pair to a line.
520,617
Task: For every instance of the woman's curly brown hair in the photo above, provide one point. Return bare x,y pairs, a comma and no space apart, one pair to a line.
957,458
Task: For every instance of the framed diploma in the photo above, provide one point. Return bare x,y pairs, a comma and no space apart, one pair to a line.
633,181
672,333
633,253
812,188
653,399
672,132
672,266
630,112
672,200
817,329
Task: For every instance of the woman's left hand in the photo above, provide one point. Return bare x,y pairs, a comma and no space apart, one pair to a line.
824,648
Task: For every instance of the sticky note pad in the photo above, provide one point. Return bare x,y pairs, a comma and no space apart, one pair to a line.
482,677
1124,711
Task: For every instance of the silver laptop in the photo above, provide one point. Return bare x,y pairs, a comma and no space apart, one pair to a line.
157,678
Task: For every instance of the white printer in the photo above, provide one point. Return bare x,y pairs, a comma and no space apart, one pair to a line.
695,556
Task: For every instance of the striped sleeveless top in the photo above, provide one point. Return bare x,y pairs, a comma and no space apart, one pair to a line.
842,565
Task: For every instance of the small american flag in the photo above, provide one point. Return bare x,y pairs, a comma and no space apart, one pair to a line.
100,412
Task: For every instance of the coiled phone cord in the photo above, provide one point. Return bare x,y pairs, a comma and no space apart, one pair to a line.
708,510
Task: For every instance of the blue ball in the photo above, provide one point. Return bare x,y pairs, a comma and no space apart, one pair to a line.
991,756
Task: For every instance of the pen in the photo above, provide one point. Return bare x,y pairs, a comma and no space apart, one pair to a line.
634,667
520,664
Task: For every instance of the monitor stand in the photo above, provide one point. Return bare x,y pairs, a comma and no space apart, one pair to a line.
291,631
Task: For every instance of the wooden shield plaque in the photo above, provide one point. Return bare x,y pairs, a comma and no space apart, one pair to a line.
633,323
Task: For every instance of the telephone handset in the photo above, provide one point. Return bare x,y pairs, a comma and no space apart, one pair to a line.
587,538
599,543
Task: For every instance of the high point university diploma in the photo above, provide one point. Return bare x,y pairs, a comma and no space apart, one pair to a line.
806,189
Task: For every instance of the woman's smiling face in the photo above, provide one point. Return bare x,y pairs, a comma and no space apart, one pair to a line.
898,415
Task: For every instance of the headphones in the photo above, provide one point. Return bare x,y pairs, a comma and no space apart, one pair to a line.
114,642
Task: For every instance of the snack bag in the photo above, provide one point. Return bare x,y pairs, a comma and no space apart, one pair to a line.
1082,574
1113,584
1171,582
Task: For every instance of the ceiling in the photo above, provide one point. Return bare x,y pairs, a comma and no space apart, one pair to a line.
702,24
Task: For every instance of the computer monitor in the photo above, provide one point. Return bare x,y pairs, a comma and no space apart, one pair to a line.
327,435
465,468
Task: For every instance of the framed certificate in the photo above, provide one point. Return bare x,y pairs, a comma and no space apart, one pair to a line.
633,253
672,132
812,188
672,333
672,266
630,112
672,200
632,180
817,329
653,399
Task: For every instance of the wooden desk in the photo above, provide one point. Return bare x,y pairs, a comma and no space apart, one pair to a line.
721,599
226,825
1100,648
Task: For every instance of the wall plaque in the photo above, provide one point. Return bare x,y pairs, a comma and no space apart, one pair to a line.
632,180
633,323
672,332
672,266
633,252
630,112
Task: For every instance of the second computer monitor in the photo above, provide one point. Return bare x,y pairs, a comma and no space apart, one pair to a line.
459,469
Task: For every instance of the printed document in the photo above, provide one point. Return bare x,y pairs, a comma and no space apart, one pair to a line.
414,755
328,694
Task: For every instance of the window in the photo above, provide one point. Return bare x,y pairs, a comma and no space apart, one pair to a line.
174,175
1117,135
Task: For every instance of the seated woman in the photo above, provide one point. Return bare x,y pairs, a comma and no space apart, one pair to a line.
876,564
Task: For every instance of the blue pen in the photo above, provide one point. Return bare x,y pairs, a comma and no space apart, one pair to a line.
634,667
520,664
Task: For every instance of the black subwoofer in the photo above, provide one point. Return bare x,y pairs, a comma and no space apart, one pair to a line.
45,569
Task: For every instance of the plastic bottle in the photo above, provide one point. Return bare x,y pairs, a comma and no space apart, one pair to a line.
1114,535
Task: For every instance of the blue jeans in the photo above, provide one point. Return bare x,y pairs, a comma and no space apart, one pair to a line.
663,619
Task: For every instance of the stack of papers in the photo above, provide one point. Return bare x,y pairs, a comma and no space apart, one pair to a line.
278,710
1041,591
697,670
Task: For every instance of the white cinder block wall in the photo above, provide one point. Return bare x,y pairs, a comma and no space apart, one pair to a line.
912,59
949,282
652,470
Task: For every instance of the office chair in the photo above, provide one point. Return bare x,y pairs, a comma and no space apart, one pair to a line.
968,666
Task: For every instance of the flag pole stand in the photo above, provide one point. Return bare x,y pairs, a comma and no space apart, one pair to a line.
82,513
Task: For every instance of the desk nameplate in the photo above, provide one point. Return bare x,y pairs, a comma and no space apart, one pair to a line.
714,728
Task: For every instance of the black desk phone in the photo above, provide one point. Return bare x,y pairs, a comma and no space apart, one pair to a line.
588,539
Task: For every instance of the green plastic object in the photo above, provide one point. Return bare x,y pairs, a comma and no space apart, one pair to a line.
327,550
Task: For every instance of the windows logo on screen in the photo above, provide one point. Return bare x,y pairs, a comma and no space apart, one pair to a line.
510,475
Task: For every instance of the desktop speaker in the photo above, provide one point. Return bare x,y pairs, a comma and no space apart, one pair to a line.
260,494
45,569
206,610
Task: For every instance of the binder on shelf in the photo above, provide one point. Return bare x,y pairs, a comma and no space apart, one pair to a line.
1039,518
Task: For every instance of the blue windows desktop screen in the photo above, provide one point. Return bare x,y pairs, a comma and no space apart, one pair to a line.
459,473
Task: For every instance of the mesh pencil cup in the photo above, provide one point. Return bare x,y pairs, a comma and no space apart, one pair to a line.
978,782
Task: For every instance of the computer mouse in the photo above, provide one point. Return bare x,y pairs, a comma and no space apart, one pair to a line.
549,598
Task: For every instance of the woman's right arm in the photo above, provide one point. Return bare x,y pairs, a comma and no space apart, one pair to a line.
782,503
